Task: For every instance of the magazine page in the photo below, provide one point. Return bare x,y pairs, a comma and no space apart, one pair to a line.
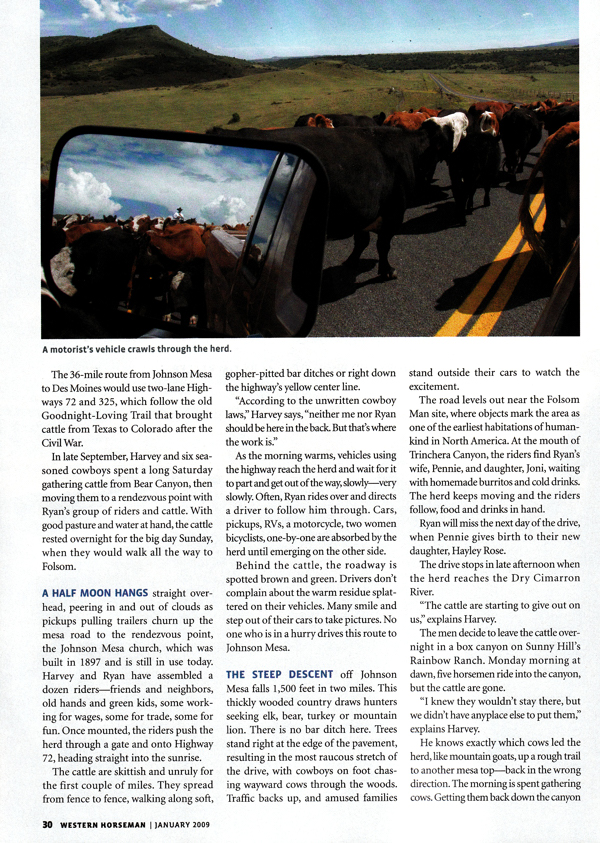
326,567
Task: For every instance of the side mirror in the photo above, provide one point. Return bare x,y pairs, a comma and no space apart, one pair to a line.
177,234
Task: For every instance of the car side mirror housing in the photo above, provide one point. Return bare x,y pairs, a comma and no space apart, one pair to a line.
179,234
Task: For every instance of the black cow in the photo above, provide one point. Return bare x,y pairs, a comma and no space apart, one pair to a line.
474,164
560,116
178,284
103,262
358,120
520,131
373,176
115,266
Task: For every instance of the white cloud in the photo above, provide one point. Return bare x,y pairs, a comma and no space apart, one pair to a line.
42,14
110,10
212,183
83,193
527,15
226,209
146,6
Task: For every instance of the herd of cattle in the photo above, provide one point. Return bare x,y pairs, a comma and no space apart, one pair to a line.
151,267
374,175
376,166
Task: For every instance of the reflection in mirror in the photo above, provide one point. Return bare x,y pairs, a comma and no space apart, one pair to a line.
183,237
132,212
274,196
111,175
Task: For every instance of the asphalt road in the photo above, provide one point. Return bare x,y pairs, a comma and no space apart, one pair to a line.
456,280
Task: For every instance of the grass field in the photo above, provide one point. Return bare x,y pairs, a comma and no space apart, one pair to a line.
278,98
516,86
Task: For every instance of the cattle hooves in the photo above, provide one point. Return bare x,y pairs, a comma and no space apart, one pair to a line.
486,203
389,274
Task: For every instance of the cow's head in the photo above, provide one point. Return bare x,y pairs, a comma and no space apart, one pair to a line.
441,138
459,123
488,122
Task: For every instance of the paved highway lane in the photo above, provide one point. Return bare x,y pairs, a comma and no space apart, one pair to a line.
474,280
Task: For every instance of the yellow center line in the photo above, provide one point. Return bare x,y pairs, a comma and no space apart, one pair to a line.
494,308
454,325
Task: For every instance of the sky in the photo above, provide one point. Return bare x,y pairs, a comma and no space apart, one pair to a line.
251,29
126,176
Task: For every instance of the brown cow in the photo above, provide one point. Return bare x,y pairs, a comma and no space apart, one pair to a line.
139,224
406,120
337,120
181,243
488,122
180,253
430,112
74,232
497,108
559,165
319,121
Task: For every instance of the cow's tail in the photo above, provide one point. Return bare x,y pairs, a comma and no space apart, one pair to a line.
530,234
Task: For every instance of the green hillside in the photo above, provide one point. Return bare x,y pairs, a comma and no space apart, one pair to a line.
132,58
